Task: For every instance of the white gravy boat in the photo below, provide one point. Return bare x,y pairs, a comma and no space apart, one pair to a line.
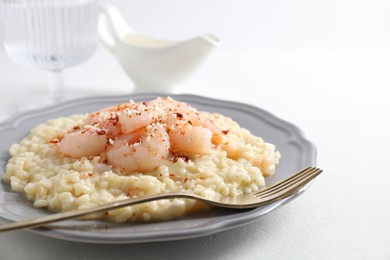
154,65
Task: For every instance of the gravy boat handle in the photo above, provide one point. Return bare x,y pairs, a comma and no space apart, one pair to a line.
111,26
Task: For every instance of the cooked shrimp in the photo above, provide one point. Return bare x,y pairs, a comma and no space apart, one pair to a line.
191,139
198,119
87,142
133,119
137,131
107,114
123,118
232,150
148,153
181,111
190,133
169,104
106,120
171,107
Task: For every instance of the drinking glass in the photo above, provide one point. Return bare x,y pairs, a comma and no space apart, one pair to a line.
50,35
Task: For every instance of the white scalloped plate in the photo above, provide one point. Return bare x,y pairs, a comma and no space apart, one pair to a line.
297,153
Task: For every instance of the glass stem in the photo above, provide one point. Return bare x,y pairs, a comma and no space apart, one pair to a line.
55,86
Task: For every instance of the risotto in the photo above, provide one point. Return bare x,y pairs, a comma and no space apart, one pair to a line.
137,149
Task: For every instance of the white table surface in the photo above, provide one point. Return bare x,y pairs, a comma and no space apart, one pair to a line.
338,99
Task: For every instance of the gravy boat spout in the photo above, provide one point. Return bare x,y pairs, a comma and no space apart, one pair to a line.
153,64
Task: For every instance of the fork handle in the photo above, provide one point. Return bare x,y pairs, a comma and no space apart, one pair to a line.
30,223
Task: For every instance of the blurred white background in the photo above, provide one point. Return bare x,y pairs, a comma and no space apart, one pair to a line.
328,42
284,25
268,25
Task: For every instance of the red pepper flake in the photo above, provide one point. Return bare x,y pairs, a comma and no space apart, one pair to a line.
171,175
90,174
179,115
185,179
201,178
102,160
101,132
54,141
225,132
182,156
77,127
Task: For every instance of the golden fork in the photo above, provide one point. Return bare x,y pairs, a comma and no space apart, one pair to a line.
268,195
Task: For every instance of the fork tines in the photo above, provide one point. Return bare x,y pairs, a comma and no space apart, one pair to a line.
290,184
